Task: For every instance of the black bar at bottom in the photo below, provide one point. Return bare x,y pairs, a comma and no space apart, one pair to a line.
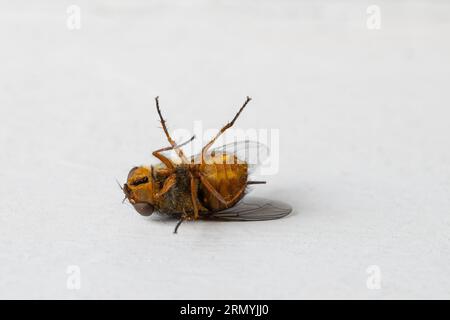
223,309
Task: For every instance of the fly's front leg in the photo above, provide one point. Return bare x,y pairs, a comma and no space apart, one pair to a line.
161,172
166,160
168,184
169,138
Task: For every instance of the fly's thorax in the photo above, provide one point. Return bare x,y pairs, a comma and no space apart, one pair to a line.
178,198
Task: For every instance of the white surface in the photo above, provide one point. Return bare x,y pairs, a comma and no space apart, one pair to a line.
365,158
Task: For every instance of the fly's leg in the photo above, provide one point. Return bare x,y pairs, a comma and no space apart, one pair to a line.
166,160
183,217
169,138
178,224
194,196
216,193
168,184
227,126
164,172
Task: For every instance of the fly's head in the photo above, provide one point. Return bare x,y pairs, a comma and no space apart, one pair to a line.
139,190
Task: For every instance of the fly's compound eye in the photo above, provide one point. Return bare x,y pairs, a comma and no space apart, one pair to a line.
143,209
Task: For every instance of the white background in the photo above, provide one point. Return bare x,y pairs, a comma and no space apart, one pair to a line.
364,146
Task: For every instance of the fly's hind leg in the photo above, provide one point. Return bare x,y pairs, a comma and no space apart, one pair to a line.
227,126
194,196
169,138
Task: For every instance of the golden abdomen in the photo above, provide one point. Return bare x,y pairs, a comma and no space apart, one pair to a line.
228,176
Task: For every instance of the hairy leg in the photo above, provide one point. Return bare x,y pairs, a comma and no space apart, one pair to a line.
169,138
194,196
227,126
168,184
166,160
178,224
183,218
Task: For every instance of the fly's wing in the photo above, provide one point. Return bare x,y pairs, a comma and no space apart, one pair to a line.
254,209
252,152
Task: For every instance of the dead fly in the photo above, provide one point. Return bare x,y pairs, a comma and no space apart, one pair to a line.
210,185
